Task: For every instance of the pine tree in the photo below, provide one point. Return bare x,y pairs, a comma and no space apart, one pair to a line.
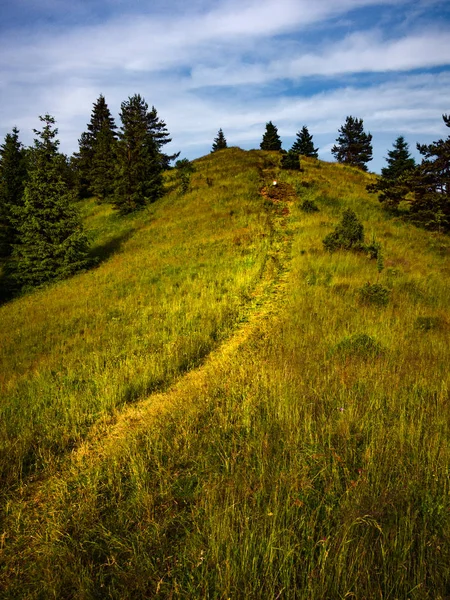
354,146
95,160
51,244
271,140
12,180
392,186
290,160
399,160
158,129
82,162
139,161
425,187
220,143
430,184
303,144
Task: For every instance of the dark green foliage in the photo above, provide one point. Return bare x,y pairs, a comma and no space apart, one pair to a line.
220,143
374,293
429,323
290,160
12,179
51,244
309,206
185,169
158,129
392,186
94,162
271,140
354,146
426,187
139,161
304,143
360,345
81,162
399,160
391,191
430,185
348,234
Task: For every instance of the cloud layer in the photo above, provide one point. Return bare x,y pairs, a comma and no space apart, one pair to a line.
231,64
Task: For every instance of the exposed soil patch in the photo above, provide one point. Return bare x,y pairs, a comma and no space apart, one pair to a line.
281,192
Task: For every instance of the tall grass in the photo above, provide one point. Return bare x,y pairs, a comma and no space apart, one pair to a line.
308,456
173,282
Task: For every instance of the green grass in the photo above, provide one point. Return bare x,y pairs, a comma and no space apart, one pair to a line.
306,457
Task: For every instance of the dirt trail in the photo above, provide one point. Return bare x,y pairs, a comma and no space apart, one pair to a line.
105,435
109,432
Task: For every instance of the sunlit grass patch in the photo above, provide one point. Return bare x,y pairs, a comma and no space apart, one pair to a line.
305,457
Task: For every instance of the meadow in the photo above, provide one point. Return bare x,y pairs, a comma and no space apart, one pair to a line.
218,411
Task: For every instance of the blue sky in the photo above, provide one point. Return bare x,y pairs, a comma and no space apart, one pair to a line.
234,64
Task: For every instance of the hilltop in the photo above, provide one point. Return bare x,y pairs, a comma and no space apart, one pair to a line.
224,409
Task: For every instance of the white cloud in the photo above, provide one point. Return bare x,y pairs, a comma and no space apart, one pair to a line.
176,59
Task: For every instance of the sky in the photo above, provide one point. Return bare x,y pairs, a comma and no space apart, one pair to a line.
230,64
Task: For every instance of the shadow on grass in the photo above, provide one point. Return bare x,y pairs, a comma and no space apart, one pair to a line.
100,253
96,256
5,293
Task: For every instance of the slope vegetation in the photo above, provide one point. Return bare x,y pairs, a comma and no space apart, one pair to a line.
220,410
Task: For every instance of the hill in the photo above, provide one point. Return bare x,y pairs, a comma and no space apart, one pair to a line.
223,409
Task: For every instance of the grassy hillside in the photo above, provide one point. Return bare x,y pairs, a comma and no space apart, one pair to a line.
217,411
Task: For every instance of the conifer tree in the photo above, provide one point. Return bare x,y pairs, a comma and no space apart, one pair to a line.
271,140
51,244
139,161
161,137
96,156
290,160
353,146
392,186
12,180
303,144
220,143
399,160
430,184
82,162
425,187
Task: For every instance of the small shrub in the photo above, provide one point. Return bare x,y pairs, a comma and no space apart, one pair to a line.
290,160
373,249
185,169
428,323
360,345
309,206
348,234
374,293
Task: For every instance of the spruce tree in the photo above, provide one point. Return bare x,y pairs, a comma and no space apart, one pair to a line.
290,160
303,144
430,184
139,160
82,162
353,146
161,137
12,180
392,186
95,159
399,160
51,244
220,143
271,140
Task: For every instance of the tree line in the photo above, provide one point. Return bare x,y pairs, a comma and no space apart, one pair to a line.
419,192
41,235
